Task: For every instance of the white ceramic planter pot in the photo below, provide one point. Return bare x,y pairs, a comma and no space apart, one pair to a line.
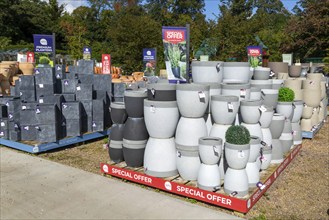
215,89
161,92
209,177
270,97
285,109
210,149
277,125
307,112
266,157
237,156
261,73
287,142
252,173
306,124
254,129
160,157
312,97
277,83
277,152
240,90
236,72
250,112
188,164
298,95
266,116
192,99
189,130
262,84
207,71
255,147
297,111
224,109
161,118
267,136
255,93
297,133
219,130
236,181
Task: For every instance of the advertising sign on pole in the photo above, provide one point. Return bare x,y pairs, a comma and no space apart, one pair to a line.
255,56
43,43
149,60
106,64
86,53
30,57
175,45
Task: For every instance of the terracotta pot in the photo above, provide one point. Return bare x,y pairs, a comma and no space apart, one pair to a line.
278,67
26,68
295,71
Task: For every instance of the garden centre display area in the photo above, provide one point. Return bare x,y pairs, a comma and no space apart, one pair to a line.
223,139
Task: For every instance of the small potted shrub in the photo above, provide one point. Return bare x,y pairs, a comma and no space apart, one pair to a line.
285,99
44,61
237,151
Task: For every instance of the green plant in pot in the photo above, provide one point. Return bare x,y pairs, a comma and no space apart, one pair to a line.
237,134
44,61
174,54
285,102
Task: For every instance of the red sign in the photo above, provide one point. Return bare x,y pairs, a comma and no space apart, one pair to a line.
106,63
30,57
174,36
254,52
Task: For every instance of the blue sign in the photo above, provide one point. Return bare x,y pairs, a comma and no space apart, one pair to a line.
149,54
43,43
86,50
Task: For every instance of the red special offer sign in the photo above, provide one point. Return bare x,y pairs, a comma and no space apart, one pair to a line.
174,35
30,57
106,63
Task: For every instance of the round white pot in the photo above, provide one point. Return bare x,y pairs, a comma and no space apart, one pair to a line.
261,73
266,116
207,71
215,89
254,129
236,181
240,90
270,97
208,177
266,158
250,112
277,125
236,72
255,147
277,151
188,164
237,156
262,84
255,93
267,136
285,109
252,173
224,108
210,149
297,111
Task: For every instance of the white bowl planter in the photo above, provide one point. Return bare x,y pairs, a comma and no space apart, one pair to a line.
297,111
252,173
277,152
266,116
237,156
236,72
160,157
254,129
285,109
224,109
261,73
236,181
161,118
270,97
208,177
240,90
207,71
210,149
192,99
188,164
250,112
262,84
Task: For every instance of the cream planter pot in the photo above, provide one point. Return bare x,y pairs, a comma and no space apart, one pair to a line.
283,76
307,112
224,108
311,84
278,67
262,73
250,112
294,84
236,72
208,177
207,71
237,156
210,149
236,181
192,99
315,76
298,95
306,124
240,90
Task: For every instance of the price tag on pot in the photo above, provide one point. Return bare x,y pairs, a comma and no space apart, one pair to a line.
262,108
152,109
153,91
20,93
263,143
2,124
66,82
294,133
179,154
78,88
26,128
37,111
243,93
202,96
272,74
230,107
216,153
1,133
7,104
10,116
40,85
314,109
40,100
23,107
241,154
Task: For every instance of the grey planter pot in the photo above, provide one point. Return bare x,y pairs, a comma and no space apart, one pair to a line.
240,90
117,132
188,164
297,133
192,99
215,89
252,173
210,149
266,117
135,129
297,111
267,136
287,142
161,92
208,177
134,102
133,152
207,71
236,72
262,84
250,112
237,156
255,93
270,97
277,125
160,157
255,147
278,67
285,109
277,151
118,112
161,118
277,83
254,129
115,151
224,108
295,71
236,181
261,73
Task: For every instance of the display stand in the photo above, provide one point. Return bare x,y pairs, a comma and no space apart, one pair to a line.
311,134
34,147
189,189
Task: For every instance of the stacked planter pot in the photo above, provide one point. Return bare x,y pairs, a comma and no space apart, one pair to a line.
210,149
236,72
276,128
161,118
207,71
286,109
192,101
278,67
119,117
295,122
250,115
224,109
296,86
135,135
253,165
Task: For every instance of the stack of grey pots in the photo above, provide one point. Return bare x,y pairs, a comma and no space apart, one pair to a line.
161,117
119,117
208,73
254,162
192,101
135,135
210,149
276,128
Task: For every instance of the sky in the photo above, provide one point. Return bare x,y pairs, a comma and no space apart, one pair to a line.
211,6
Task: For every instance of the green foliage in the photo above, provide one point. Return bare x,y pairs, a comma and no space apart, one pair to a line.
174,54
4,42
326,62
44,60
237,134
286,95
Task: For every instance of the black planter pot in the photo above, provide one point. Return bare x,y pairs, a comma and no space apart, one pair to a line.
161,92
117,132
176,71
115,151
133,152
118,112
134,102
135,129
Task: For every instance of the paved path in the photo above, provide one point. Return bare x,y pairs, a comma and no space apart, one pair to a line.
34,188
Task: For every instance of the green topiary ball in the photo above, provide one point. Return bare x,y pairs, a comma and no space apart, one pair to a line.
286,95
237,134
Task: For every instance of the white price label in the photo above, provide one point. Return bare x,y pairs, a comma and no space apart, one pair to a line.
152,109
23,107
262,108
78,88
40,85
27,128
202,95
243,92
2,124
241,154
230,107
40,100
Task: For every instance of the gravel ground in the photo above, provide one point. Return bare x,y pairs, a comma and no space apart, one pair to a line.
301,191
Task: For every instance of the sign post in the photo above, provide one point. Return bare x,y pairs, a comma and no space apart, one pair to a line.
45,44
255,56
30,57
